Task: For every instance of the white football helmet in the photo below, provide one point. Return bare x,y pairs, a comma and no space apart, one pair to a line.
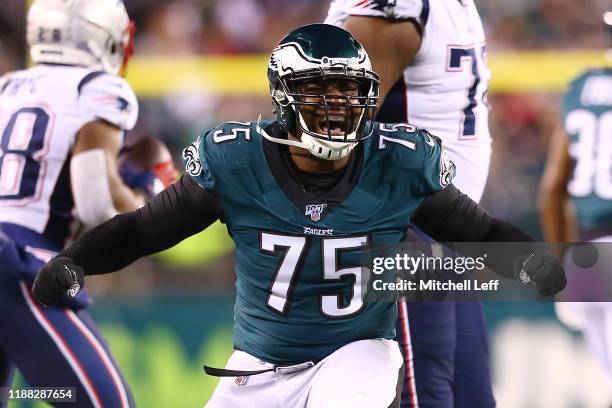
92,33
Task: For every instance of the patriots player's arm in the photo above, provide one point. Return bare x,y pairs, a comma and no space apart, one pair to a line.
108,107
556,215
93,173
376,35
181,210
451,216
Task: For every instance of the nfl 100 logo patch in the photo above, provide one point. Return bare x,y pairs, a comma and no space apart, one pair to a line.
315,211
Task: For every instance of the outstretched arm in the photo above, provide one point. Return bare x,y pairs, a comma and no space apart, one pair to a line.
178,212
451,216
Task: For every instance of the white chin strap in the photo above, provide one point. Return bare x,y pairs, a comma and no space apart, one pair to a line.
327,150
322,149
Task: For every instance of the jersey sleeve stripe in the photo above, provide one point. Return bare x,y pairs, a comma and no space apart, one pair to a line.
424,16
362,4
88,78
4,85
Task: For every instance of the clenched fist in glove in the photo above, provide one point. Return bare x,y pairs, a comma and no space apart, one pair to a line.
57,277
542,268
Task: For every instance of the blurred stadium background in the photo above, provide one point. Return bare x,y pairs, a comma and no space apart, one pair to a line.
201,62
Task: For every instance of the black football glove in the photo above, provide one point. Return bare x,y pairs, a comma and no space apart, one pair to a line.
58,277
542,268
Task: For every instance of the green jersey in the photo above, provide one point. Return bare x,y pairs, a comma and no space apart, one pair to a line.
587,112
300,282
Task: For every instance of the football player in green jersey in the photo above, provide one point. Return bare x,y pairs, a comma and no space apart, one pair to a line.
302,196
578,174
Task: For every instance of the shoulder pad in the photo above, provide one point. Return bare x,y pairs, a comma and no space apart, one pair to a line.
225,146
417,151
407,145
108,97
234,131
390,9
230,141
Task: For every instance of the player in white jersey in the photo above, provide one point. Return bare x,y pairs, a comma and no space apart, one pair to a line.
44,109
61,128
438,80
431,56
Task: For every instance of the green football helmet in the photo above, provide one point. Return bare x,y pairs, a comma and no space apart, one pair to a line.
320,53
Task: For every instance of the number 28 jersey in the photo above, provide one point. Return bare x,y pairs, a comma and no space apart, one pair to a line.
41,111
300,285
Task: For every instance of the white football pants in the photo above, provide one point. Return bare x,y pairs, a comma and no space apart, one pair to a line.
364,373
